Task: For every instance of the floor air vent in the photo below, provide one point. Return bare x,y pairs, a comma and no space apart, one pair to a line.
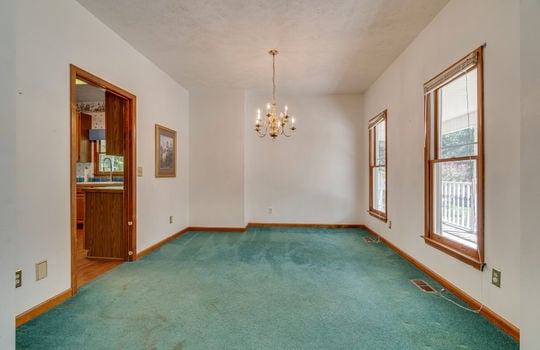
368,239
424,286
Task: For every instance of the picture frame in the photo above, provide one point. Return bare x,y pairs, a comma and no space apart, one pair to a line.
165,152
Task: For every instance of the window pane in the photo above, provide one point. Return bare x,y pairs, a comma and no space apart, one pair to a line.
380,143
379,189
458,131
116,161
371,148
455,201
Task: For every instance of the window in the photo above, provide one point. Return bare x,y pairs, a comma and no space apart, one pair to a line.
454,160
102,167
377,166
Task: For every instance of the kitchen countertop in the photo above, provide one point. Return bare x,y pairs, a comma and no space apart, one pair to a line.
83,185
103,188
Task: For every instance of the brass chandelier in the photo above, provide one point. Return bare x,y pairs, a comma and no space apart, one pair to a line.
273,124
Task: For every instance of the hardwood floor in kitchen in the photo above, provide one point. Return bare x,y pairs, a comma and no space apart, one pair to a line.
88,269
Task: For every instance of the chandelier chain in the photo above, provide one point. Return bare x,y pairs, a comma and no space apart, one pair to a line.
273,78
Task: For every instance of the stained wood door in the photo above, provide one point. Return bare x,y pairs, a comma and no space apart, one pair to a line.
114,123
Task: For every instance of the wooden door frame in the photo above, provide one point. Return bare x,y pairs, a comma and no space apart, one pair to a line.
130,174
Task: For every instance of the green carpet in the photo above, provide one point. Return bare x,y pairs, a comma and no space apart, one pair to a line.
266,288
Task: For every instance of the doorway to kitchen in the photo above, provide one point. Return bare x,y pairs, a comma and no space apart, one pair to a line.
103,176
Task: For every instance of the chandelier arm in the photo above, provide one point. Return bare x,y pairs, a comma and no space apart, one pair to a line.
262,134
285,134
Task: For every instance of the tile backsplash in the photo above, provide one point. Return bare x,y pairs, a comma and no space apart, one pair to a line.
80,169
91,178
100,179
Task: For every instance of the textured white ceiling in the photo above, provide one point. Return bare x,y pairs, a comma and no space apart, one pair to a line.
325,46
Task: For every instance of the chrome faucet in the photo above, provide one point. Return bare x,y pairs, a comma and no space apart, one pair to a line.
110,164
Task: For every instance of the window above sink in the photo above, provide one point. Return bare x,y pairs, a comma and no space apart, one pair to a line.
103,167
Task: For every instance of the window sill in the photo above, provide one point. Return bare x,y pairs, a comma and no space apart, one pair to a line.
108,174
379,215
477,264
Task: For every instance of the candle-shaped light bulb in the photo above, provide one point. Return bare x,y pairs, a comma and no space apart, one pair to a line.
268,106
292,120
286,108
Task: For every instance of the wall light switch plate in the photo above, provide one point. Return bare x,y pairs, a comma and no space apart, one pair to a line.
139,171
18,278
496,278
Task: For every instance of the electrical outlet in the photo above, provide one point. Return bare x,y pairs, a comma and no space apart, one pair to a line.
18,278
170,219
389,224
496,278
270,210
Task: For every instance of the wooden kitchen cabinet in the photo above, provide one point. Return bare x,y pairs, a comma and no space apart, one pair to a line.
84,146
80,207
104,223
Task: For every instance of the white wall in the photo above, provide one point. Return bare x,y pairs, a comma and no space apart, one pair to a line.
7,174
217,158
161,101
458,29
314,176
50,36
530,168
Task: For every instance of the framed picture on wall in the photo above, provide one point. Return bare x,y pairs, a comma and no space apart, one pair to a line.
165,152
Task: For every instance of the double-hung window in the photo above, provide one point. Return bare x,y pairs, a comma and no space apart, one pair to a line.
454,160
377,166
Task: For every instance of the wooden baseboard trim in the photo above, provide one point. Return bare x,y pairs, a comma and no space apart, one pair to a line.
237,229
489,314
159,244
50,303
43,307
217,229
264,224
